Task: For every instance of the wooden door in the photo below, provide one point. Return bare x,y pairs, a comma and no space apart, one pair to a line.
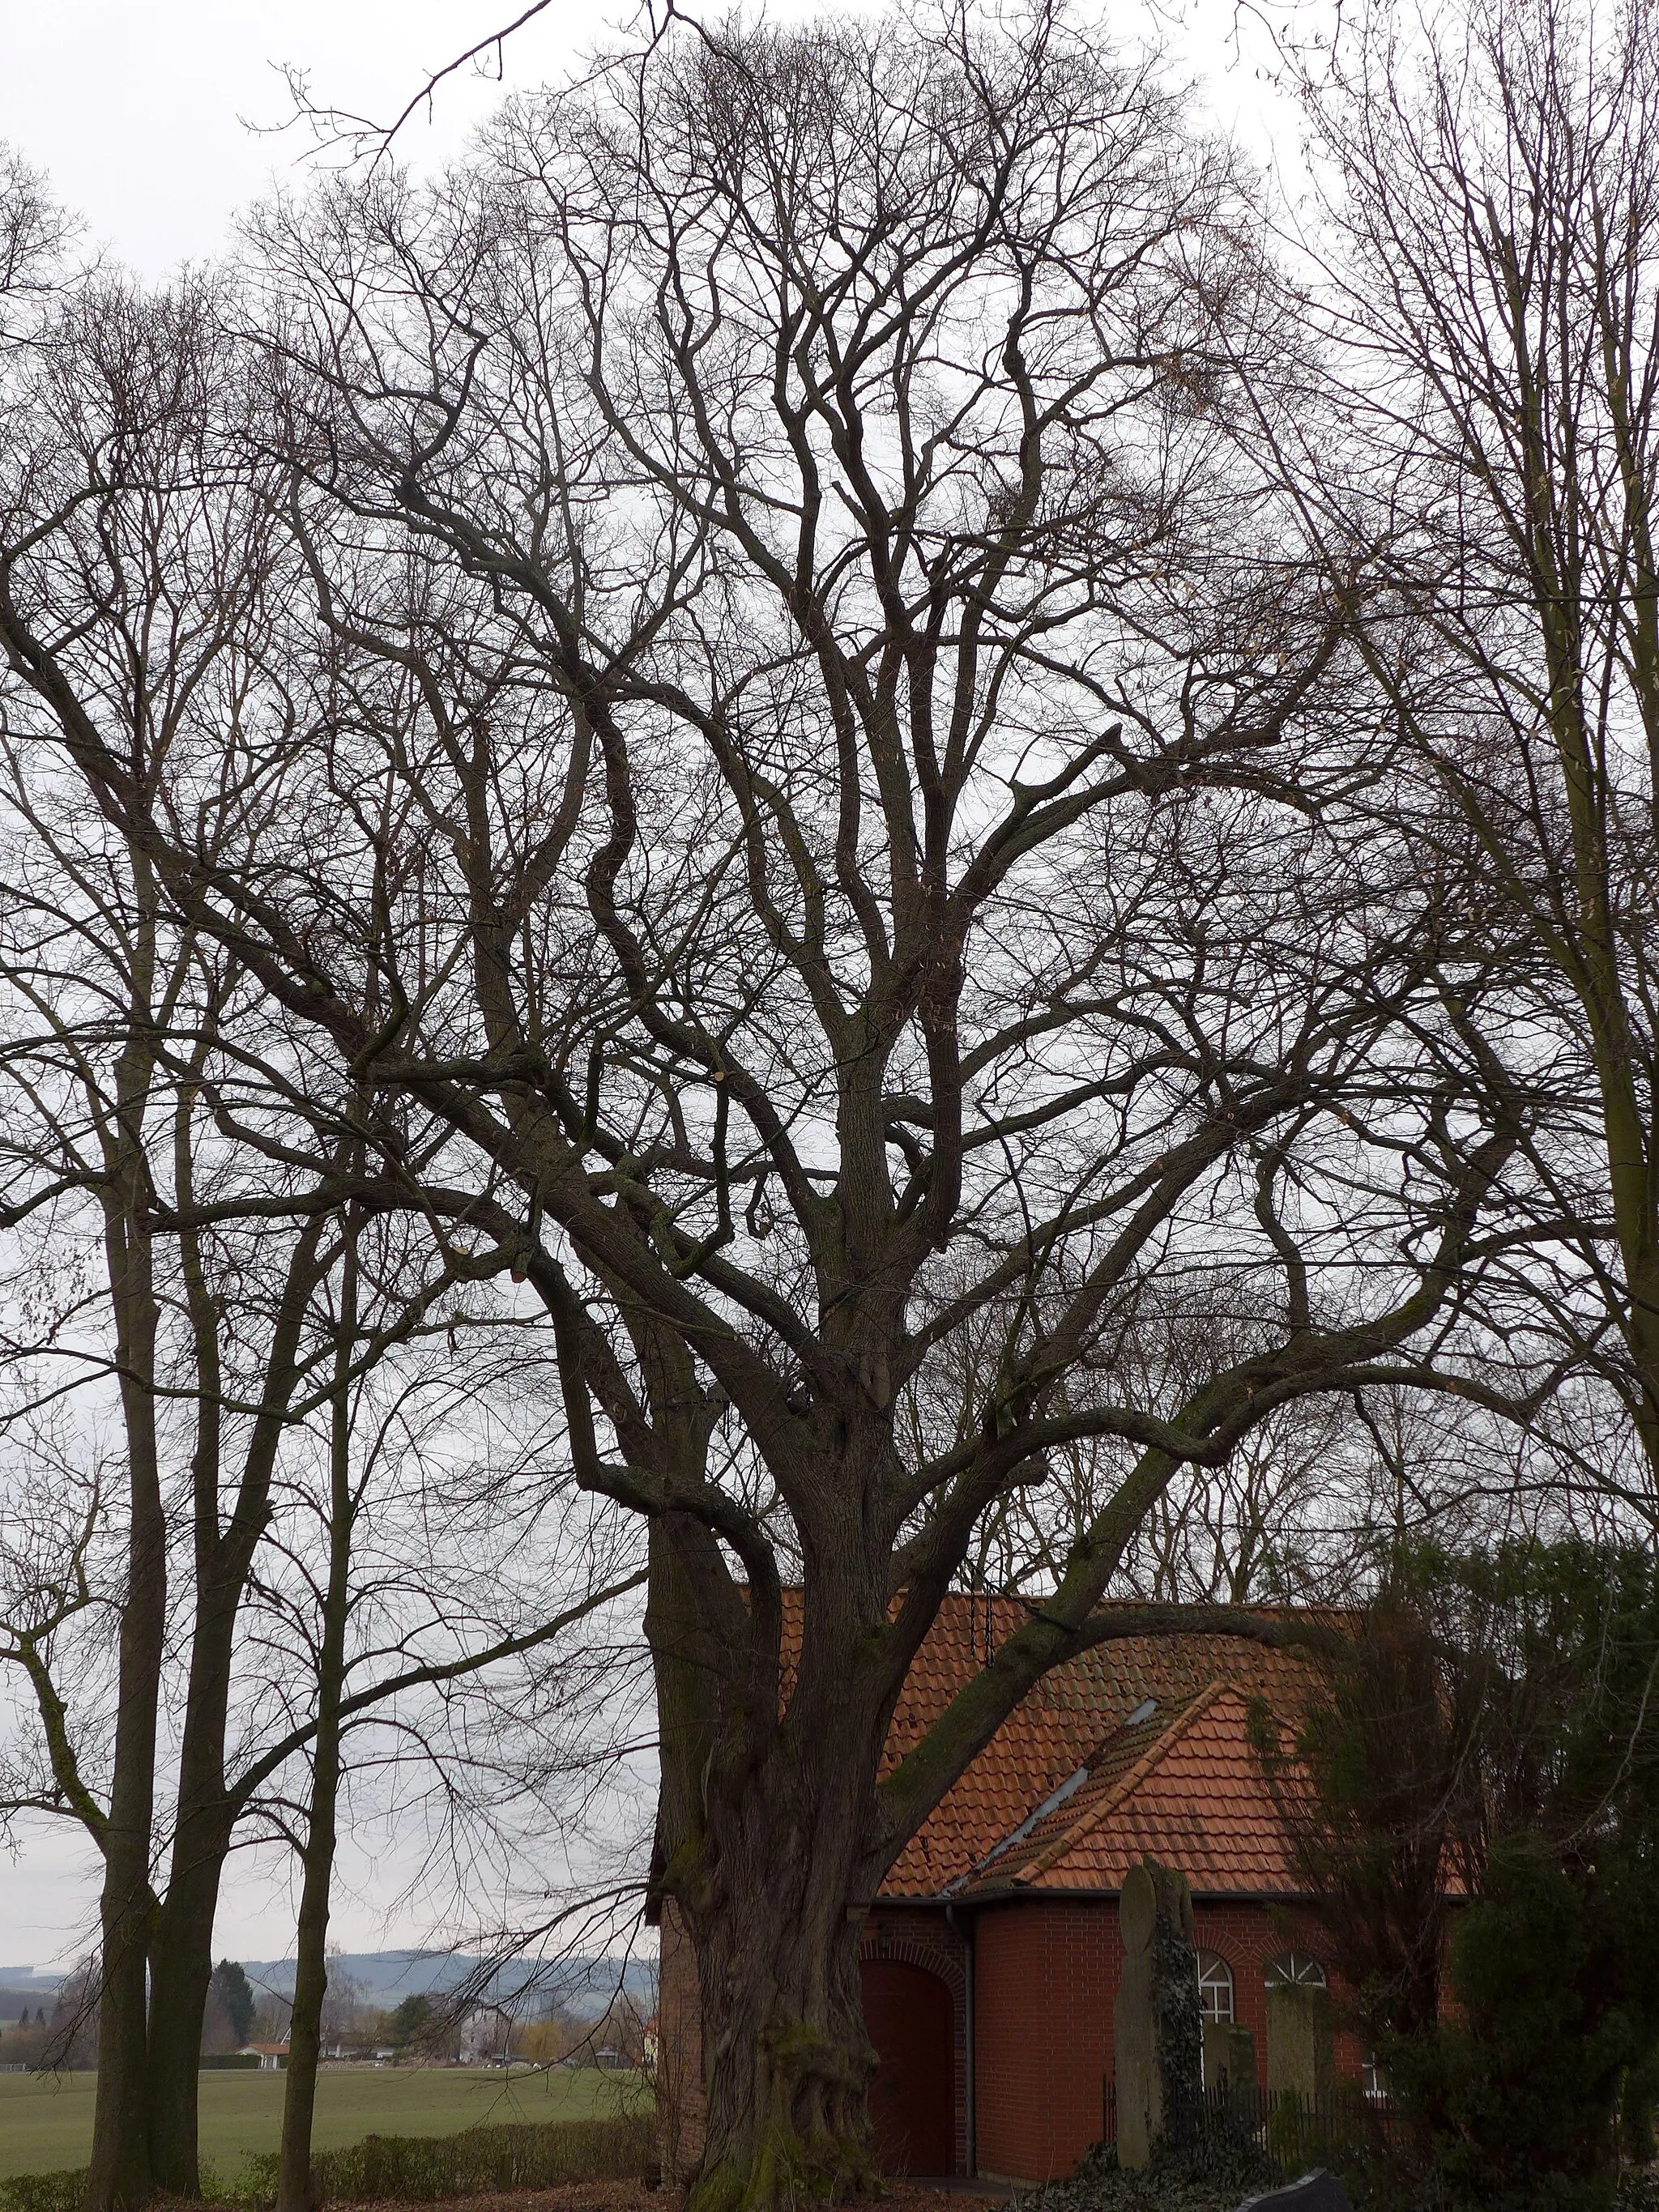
911,2020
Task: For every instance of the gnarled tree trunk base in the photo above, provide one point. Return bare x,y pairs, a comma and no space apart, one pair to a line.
782,2165
784,2168
787,2122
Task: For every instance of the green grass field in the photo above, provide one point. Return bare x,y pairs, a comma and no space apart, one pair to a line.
46,2122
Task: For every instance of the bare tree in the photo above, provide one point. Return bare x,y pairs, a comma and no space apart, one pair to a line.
172,1189
814,763
355,1574
35,234
822,437
1488,302
112,1018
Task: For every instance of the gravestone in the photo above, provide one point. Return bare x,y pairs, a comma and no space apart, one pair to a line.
1300,2055
1230,2057
1155,2018
1317,2192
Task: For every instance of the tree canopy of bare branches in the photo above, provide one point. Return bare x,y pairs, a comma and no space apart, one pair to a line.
790,763
1487,450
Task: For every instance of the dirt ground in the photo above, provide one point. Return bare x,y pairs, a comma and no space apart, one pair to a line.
634,2197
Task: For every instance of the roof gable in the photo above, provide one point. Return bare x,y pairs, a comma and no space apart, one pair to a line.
1180,1783
1197,1800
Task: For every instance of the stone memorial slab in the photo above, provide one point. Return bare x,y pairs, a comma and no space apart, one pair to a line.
1317,2192
1158,2051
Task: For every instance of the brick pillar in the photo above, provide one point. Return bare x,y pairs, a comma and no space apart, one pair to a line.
682,2104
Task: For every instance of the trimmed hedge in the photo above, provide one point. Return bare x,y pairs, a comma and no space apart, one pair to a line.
416,2169
424,2169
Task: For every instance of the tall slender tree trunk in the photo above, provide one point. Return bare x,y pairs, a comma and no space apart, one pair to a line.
181,1969
181,1957
311,1970
119,2174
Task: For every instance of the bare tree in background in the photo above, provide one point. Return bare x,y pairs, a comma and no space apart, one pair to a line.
113,1015
172,1189
1490,309
377,1427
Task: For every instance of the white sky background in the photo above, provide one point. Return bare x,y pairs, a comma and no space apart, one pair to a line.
139,115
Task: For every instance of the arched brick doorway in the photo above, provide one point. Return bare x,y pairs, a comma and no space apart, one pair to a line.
910,2017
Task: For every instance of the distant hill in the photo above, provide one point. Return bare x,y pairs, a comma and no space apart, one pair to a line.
16,2001
583,1986
26,1986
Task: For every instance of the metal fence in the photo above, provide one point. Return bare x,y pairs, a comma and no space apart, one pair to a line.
1293,2130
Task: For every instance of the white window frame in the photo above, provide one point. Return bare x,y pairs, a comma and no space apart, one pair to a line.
1296,1970
1215,1981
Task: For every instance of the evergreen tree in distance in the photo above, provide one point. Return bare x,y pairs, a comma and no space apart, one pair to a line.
236,1995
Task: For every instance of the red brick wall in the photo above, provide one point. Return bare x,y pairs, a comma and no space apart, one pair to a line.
1044,1973
682,2109
1248,1936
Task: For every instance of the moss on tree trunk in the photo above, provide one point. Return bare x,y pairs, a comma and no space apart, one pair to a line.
787,2062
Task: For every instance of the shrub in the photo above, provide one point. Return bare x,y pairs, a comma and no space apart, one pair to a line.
1515,2097
1209,2177
44,2193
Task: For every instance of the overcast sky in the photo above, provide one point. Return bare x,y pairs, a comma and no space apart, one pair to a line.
157,122
152,121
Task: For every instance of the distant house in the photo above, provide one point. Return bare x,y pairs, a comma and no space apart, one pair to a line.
486,2035
994,1942
270,2056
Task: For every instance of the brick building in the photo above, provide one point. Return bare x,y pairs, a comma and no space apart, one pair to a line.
992,1955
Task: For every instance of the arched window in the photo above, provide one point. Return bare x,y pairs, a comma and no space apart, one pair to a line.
1295,1970
1215,1988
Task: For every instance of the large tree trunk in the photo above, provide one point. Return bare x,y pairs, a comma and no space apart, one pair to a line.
787,2059
768,1835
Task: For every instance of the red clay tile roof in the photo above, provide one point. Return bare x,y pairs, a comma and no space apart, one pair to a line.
1116,1772
1180,1784
1196,1802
